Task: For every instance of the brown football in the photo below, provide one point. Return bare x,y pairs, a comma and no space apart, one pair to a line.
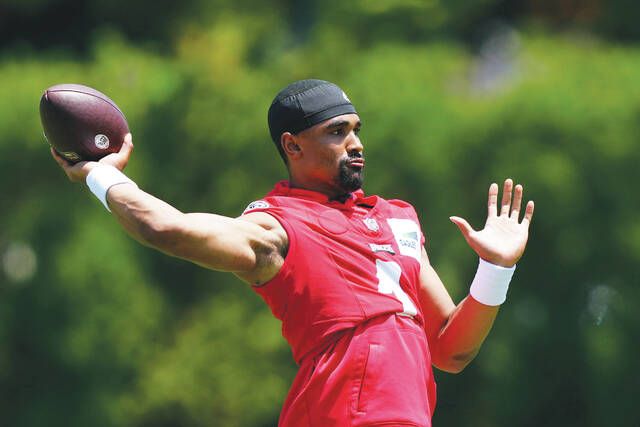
81,123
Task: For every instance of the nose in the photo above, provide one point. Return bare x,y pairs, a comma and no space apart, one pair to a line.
354,144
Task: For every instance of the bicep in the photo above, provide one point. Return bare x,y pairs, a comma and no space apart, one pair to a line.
237,245
435,301
248,246
215,241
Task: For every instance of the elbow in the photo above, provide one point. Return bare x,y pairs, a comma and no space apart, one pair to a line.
455,363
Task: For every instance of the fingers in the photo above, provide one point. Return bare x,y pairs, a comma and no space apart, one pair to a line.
508,206
128,144
506,197
493,200
528,213
463,225
55,156
126,149
121,158
62,162
517,202
59,159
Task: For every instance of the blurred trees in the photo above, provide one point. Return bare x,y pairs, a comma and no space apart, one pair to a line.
46,23
97,330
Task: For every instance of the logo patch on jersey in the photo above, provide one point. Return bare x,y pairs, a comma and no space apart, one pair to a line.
258,204
407,234
371,224
382,248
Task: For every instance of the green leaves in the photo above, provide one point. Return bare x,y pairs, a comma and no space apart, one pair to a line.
136,338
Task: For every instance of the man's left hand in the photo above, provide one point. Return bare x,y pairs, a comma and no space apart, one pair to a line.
503,239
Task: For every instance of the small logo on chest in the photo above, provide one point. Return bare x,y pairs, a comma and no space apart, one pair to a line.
371,224
382,248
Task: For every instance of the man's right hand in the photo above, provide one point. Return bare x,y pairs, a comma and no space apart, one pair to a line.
77,172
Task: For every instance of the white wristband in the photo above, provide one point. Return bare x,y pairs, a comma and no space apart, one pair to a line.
102,178
491,283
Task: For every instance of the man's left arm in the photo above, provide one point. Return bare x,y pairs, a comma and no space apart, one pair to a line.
456,332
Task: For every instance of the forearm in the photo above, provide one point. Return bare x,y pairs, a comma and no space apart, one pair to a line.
456,332
145,217
459,340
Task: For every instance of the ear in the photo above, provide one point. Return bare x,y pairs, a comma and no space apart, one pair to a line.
290,145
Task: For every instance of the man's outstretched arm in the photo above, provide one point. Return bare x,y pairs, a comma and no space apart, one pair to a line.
455,333
252,246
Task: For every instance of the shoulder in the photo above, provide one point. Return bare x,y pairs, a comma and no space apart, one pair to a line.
399,207
260,205
270,247
400,204
402,209
264,212
263,219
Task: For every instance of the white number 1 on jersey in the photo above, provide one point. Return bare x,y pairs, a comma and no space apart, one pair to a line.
388,273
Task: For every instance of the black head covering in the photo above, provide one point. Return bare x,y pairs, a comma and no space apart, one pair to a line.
303,104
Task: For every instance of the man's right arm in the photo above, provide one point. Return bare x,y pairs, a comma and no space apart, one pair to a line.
252,246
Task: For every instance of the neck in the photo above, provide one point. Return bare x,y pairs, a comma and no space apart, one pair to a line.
308,183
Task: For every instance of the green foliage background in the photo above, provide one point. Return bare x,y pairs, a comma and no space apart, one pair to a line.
98,330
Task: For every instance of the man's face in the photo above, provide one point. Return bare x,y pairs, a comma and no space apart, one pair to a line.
332,154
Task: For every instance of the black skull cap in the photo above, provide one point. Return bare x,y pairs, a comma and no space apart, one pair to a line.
306,103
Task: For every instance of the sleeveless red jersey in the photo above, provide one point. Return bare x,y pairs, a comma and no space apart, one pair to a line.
348,264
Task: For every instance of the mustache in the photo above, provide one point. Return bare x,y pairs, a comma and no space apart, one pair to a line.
353,155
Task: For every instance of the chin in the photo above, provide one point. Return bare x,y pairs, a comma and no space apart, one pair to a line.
352,181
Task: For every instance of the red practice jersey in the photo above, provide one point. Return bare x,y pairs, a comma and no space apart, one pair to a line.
347,296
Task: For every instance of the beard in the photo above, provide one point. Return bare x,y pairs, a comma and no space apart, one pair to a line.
349,179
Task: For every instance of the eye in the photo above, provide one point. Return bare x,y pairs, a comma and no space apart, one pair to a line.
356,131
337,132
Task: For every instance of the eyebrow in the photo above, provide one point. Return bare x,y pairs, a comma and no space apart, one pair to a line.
339,123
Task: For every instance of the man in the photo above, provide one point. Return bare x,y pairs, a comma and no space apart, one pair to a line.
365,313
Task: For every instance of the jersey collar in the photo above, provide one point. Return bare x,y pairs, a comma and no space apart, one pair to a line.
358,197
